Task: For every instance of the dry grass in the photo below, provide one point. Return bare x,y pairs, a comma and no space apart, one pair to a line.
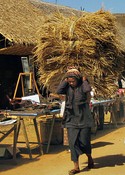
90,41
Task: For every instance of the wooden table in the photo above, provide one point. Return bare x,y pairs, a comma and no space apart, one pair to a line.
12,124
21,115
53,113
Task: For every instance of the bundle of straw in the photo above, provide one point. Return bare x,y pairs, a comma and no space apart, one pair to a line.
91,42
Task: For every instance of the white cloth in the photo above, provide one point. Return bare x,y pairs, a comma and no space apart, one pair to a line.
62,108
123,83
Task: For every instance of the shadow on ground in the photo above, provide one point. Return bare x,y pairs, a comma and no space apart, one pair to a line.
106,130
108,161
23,158
101,144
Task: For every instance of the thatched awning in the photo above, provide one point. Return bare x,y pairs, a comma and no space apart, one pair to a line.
21,50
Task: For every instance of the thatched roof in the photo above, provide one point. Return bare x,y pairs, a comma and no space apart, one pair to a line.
19,21
48,8
121,26
17,49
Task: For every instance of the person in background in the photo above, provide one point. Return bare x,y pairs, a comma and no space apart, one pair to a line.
77,116
123,82
119,82
5,99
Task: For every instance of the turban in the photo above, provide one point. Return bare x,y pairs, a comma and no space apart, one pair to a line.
73,73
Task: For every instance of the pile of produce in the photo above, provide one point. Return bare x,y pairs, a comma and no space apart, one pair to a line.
91,42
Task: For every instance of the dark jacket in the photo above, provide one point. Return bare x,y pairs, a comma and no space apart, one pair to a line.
77,112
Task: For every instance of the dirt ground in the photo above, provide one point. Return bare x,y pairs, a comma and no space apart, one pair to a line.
108,153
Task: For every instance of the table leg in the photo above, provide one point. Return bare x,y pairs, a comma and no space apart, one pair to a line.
7,133
113,116
50,135
14,130
38,136
14,143
26,137
18,128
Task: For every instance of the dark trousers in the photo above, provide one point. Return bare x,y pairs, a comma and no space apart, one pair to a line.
79,142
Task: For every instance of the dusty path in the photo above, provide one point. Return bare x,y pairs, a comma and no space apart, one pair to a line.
108,153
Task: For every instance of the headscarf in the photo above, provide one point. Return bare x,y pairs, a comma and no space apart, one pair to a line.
73,73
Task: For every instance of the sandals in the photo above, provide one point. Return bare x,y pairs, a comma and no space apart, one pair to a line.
74,171
91,165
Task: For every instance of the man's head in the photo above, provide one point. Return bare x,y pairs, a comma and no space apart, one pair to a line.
73,76
72,81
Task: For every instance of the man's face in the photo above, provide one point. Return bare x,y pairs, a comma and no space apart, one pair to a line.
72,82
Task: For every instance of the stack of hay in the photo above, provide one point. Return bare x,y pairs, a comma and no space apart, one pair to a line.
91,42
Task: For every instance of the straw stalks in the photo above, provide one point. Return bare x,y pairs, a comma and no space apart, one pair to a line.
91,42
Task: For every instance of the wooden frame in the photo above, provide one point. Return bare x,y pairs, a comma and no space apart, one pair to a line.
31,83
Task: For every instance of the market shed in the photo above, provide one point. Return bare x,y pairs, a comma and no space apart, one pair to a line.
17,38
19,21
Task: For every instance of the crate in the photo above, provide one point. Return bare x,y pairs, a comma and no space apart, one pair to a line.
57,134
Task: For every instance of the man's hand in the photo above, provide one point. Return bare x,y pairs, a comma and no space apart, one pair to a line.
60,96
